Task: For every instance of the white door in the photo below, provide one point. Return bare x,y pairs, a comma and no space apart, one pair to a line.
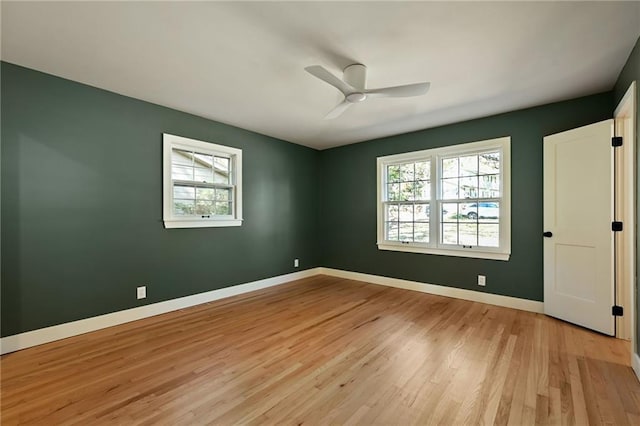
578,211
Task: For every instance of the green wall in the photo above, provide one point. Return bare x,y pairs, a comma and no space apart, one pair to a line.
631,72
82,205
348,200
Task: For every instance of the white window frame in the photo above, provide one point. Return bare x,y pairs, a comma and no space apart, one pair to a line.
235,156
503,252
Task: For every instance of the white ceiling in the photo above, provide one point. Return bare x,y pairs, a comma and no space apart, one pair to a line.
243,63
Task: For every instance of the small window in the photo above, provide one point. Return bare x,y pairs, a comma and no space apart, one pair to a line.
452,200
202,184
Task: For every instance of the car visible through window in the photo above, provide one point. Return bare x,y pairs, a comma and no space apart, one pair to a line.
481,210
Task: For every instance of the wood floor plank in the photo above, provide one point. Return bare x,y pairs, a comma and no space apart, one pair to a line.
326,350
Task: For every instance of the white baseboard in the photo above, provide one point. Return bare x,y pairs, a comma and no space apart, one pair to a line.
635,364
62,331
458,293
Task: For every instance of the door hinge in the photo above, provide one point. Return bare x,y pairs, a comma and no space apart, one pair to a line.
617,311
616,141
616,226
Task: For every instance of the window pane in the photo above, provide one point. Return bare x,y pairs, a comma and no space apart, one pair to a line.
489,211
469,165
489,235
222,169
421,232
393,173
393,192
449,233
468,212
188,192
204,207
222,208
181,158
203,174
183,207
450,167
391,213
222,164
449,188
489,163
407,191
203,167
204,194
203,160
181,172
469,187
219,177
421,212
468,234
423,170
223,194
406,213
473,224
406,172
392,231
449,212
423,190
490,186
406,231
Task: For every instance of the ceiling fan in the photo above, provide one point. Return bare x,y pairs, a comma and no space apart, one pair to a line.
353,87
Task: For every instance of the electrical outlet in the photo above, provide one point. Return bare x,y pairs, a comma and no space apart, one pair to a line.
482,280
296,262
142,292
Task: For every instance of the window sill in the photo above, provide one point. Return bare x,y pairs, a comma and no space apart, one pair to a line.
201,223
446,252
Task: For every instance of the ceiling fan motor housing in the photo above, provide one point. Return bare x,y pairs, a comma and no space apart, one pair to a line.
356,97
356,76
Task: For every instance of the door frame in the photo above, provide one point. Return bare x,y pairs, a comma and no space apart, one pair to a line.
625,211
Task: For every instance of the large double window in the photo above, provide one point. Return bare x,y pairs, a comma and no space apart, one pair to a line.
202,184
451,201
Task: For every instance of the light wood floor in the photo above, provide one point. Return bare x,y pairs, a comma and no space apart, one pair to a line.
327,350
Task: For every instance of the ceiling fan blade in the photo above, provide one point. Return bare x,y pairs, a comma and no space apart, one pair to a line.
338,110
416,89
327,77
